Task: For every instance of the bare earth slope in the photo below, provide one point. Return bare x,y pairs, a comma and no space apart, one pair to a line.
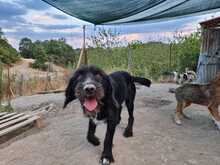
23,67
157,140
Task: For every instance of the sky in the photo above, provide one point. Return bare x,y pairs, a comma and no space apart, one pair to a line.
37,20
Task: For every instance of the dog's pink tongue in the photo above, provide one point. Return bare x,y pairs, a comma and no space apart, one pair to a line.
90,104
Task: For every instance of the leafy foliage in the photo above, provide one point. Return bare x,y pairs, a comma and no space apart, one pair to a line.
26,48
59,52
40,56
149,59
105,38
187,51
8,54
6,108
1,33
56,51
143,59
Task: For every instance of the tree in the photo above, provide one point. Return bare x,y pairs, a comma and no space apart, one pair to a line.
105,38
135,44
8,54
1,33
40,56
56,51
59,52
26,48
187,50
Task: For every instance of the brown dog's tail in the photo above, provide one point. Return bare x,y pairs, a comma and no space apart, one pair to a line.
142,81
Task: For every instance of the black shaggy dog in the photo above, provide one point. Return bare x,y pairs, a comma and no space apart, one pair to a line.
101,97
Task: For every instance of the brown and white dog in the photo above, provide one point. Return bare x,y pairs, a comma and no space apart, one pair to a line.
207,95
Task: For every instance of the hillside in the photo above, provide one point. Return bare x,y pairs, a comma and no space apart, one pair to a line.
23,68
8,54
25,80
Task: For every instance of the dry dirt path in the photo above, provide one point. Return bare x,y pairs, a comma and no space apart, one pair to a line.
157,140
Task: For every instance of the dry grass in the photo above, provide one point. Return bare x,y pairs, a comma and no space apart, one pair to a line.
28,81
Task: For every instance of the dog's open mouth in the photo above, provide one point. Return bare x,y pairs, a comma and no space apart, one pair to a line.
90,104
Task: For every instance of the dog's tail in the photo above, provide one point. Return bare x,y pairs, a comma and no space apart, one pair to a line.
142,81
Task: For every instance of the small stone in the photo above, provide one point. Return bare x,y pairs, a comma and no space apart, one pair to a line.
192,162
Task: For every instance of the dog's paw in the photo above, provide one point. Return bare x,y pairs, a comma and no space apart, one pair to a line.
217,124
128,133
93,140
106,160
177,120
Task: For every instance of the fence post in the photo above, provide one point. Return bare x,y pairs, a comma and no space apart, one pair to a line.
129,59
170,57
1,82
48,85
8,86
83,60
21,85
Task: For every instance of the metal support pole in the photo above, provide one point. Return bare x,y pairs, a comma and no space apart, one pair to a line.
83,55
170,57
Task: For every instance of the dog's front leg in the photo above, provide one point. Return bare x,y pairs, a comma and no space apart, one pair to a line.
91,133
107,156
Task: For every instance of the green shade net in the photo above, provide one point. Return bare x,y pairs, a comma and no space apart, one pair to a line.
128,11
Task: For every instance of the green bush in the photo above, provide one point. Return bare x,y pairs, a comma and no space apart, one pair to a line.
56,51
40,56
149,59
7,108
39,65
8,54
26,48
187,50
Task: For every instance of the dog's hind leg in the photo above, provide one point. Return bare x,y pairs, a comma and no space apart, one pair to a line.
91,133
130,106
119,115
213,109
177,116
186,104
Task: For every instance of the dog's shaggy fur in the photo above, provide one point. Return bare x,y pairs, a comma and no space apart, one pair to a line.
92,86
207,95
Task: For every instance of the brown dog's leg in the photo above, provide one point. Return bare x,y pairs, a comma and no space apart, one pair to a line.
179,109
186,104
215,114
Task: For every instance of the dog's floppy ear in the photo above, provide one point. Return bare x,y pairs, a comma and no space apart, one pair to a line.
70,90
113,94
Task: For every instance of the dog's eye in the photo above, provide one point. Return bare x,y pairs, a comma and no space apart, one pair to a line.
98,77
79,77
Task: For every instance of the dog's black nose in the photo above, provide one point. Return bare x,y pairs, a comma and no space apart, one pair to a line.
89,88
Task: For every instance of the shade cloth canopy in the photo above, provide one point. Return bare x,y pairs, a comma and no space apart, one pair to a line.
128,11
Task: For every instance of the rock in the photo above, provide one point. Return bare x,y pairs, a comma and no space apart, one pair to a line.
191,162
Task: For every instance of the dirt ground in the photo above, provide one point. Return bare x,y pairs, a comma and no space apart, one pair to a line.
156,141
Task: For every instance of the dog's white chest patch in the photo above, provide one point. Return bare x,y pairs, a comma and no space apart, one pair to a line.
98,122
